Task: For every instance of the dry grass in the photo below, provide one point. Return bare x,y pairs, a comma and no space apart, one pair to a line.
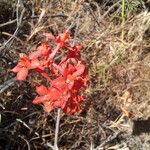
116,49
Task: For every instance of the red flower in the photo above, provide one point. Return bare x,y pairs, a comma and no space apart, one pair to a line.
75,74
69,73
43,50
58,98
61,38
74,52
54,96
23,67
64,91
73,104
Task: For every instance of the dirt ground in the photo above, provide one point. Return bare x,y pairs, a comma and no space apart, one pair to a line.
115,35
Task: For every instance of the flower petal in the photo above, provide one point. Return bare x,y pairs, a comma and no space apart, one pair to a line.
41,99
35,64
64,36
80,70
59,83
48,106
16,69
41,90
35,54
22,74
24,61
49,36
44,48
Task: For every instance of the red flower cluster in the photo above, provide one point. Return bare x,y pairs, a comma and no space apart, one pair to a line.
69,72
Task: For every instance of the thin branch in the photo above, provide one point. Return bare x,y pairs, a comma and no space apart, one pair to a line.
110,8
16,31
10,35
23,138
57,129
55,147
50,145
109,139
17,12
8,23
7,84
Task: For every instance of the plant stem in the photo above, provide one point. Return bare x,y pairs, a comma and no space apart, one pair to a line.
52,55
57,129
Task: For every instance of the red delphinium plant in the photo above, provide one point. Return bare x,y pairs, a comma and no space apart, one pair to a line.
70,75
